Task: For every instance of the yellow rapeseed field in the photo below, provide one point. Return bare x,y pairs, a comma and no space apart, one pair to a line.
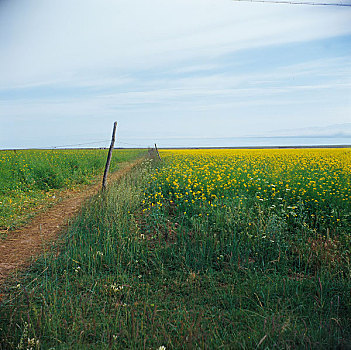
294,181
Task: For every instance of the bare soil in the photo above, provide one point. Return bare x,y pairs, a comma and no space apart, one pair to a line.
27,242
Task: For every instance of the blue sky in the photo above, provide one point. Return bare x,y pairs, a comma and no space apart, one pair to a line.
170,71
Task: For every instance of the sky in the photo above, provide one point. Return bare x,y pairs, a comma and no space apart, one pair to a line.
179,73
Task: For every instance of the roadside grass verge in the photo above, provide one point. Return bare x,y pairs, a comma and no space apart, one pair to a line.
30,179
129,278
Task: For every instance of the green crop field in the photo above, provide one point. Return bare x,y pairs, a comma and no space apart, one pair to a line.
207,249
29,178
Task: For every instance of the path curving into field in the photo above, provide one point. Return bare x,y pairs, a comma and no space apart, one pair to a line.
30,240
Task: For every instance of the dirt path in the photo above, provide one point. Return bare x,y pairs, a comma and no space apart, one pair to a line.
28,241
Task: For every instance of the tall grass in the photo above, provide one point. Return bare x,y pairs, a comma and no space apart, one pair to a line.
126,278
29,177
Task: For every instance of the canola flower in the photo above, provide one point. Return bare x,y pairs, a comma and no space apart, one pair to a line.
315,182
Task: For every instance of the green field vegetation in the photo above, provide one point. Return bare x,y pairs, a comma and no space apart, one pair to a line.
185,271
31,178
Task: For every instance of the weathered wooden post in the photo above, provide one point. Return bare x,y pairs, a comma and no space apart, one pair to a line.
157,152
108,161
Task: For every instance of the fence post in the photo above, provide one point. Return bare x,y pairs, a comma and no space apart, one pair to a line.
157,152
107,166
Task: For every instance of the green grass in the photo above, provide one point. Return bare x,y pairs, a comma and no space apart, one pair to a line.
126,278
30,178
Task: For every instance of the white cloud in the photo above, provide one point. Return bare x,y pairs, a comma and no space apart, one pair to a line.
269,87
54,39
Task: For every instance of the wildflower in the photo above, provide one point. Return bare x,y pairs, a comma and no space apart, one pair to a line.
115,288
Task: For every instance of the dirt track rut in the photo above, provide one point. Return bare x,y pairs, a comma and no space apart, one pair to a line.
29,241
